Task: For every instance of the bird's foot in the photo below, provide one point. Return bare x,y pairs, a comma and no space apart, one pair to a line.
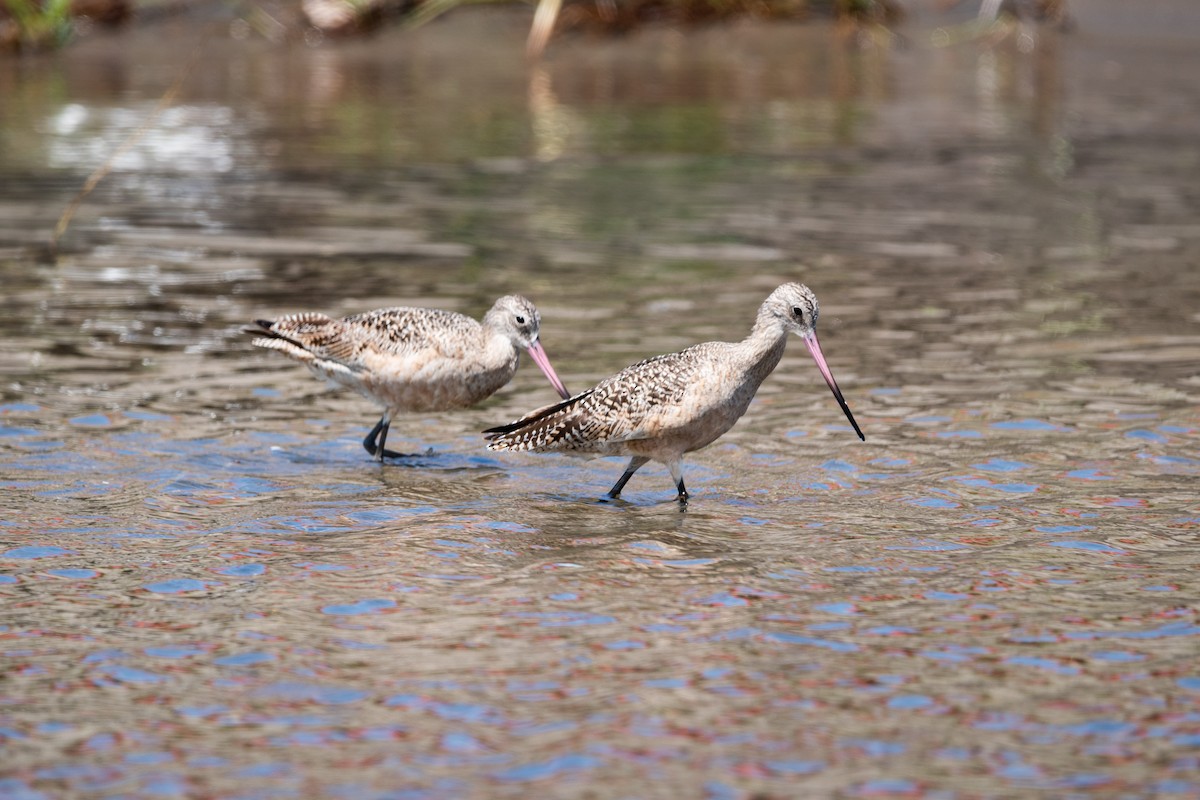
612,498
379,455
394,454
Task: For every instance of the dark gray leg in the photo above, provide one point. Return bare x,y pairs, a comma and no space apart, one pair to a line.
376,448
676,468
370,444
635,463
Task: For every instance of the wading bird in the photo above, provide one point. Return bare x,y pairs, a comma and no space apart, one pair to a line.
412,359
666,406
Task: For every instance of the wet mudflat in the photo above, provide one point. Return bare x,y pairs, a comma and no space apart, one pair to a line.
208,589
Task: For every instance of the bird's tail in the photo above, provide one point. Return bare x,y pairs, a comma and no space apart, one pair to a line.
260,327
545,426
304,337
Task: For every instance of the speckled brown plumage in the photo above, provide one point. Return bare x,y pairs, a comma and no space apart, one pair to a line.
412,359
663,407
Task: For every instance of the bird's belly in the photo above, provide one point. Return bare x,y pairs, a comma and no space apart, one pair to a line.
336,375
433,386
676,434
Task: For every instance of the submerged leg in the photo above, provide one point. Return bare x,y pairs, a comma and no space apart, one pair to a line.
369,443
635,463
380,432
676,468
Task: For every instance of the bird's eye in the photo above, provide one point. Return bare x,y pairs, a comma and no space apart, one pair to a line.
520,320
798,312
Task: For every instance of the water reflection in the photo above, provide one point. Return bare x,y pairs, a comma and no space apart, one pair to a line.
181,139
767,90
1003,242
552,124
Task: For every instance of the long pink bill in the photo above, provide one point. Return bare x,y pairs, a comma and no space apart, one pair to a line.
814,347
543,361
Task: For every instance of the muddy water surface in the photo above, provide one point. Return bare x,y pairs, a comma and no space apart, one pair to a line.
208,590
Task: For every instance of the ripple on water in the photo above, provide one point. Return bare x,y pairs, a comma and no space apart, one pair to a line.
74,574
123,673
314,693
243,570
286,618
555,767
36,551
174,651
179,586
246,659
1094,547
367,606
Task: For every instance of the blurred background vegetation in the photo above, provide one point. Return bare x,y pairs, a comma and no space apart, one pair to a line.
32,25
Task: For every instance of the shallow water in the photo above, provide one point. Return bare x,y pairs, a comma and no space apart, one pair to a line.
209,590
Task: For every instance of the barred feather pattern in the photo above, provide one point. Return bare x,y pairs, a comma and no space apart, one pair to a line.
404,359
673,403
663,407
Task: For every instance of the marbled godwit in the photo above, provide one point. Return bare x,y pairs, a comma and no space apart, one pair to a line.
412,359
666,406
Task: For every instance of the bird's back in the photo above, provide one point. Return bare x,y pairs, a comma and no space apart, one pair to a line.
408,359
385,332
682,400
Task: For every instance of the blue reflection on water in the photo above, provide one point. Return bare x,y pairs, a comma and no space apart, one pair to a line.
573,762
369,606
324,695
903,590
36,551
176,586
1027,425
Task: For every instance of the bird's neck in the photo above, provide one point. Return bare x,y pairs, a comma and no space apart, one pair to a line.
761,350
498,350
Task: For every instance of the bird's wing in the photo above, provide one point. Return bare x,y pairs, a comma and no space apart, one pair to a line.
401,331
386,332
641,400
